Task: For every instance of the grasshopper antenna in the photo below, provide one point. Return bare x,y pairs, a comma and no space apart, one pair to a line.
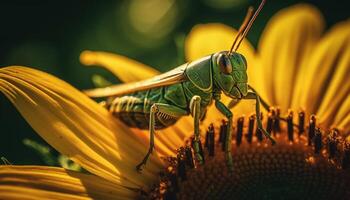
242,27
251,21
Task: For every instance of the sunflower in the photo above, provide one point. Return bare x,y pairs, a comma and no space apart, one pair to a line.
294,67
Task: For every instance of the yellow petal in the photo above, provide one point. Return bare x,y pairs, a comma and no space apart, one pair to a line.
39,182
337,84
205,39
126,69
342,116
77,126
344,124
329,84
284,46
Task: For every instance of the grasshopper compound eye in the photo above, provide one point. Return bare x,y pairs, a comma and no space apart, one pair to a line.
224,64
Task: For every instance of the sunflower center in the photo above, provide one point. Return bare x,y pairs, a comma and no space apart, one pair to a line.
306,163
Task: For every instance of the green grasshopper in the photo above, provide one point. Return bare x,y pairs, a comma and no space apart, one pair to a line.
160,101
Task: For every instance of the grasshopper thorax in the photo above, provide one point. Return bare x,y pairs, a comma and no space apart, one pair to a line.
230,73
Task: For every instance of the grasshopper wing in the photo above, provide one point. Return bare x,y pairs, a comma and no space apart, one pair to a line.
176,75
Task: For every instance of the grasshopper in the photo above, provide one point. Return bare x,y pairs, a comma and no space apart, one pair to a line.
160,101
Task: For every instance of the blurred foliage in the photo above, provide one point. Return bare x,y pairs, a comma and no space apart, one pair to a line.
50,158
50,36
43,151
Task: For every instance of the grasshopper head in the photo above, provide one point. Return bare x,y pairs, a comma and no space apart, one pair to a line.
230,73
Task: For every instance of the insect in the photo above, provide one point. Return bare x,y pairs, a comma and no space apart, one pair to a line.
160,101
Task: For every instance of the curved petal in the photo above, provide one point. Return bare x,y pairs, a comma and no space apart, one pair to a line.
77,126
328,83
39,182
284,46
345,124
126,69
205,39
341,119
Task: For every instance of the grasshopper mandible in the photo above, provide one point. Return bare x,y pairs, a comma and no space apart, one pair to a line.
160,101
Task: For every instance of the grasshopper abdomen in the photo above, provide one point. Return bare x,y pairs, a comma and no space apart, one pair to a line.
134,109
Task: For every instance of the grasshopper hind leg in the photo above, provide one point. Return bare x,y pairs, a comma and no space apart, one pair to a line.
162,113
153,111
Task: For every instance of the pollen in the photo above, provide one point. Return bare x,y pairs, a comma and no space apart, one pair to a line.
306,163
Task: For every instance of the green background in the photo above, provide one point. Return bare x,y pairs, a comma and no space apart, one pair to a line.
50,36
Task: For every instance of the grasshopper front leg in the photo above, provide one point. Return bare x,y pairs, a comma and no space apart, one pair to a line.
253,95
265,104
225,111
234,102
195,112
262,101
